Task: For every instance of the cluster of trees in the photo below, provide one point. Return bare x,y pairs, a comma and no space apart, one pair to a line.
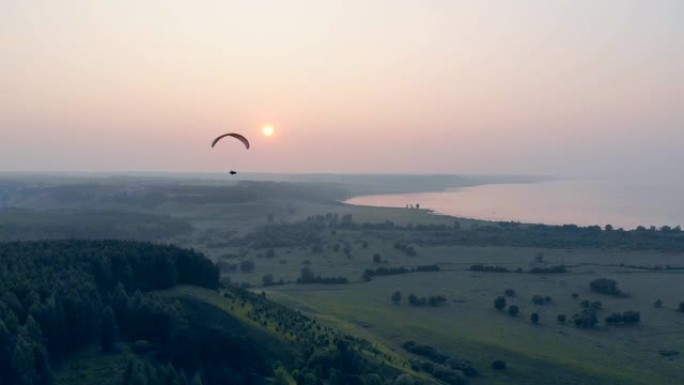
306,276
548,236
605,286
57,297
443,362
407,249
433,301
586,319
629,317
368,274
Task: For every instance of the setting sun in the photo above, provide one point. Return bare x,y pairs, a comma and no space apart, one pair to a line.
267,130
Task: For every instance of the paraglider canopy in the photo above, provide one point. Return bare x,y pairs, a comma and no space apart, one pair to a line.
234,135
237,136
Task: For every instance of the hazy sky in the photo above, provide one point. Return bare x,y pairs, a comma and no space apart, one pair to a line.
554,87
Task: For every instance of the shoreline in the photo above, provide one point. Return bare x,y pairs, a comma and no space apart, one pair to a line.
582,203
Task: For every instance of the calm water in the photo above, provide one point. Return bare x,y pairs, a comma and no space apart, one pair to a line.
619,203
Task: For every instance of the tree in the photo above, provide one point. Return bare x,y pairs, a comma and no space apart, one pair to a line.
109,331
534,318
510,293
500,303
513,310
575,295
561,318
658,304
396,297
376,258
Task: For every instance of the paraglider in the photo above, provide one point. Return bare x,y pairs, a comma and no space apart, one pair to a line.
239,137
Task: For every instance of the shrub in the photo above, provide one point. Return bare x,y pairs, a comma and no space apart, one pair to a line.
396,297
500,303
513,310
499,365
534,318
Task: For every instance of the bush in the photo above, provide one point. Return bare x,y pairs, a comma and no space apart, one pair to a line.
561,318
499,365
534,318
510,293
500,303
513,310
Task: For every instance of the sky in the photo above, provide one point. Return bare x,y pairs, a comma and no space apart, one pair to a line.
567,88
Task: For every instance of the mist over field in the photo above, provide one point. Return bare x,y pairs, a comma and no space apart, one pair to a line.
341,192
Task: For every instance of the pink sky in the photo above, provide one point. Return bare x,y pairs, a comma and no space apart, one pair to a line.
561,87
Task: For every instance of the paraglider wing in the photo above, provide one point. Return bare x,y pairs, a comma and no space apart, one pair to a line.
234,135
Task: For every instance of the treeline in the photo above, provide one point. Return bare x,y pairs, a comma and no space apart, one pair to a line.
432,301
368,274
516,234
307,276
57,297
479,267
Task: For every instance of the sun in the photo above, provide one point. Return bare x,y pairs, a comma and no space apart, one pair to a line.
267,130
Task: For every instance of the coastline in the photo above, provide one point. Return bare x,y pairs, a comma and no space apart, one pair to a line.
560,202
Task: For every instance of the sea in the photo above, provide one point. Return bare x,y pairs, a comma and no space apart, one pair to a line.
624,203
